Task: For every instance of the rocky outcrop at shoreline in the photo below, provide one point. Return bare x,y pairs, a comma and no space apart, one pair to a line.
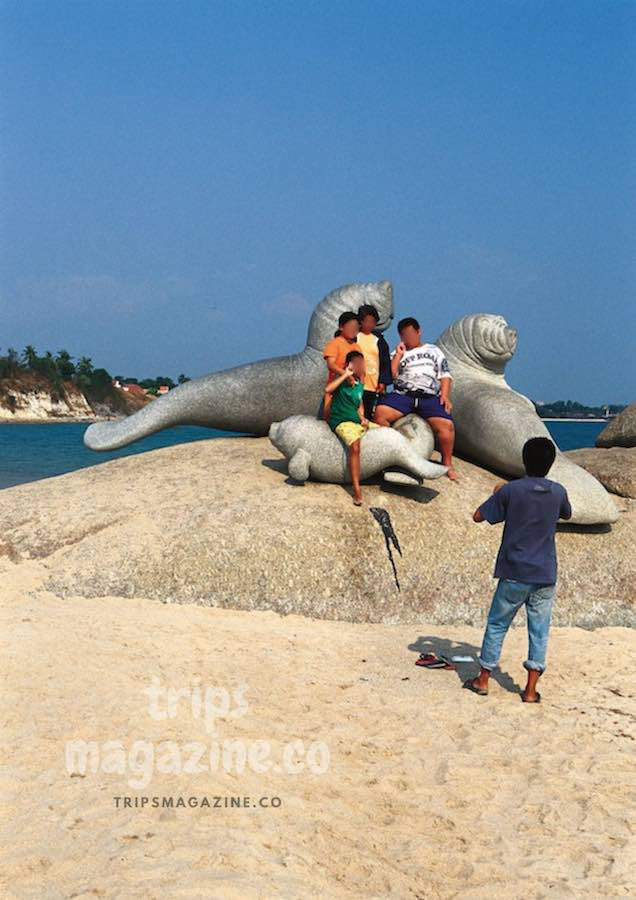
621,431
32,398
218,523
40,405
614,467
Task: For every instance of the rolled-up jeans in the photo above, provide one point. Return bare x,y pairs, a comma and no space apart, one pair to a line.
509,597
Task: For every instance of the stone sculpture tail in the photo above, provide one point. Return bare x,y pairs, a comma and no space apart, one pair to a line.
158,414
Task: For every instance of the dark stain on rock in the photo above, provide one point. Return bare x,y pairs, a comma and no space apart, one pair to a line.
390,537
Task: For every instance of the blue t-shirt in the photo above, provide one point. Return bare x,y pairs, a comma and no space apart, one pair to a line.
531,508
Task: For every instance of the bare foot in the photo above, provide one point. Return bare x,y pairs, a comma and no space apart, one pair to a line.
534,697
530,693
357,499
452,474
477,686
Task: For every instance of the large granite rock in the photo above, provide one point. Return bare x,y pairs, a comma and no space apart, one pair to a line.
614,467
620,431
218,522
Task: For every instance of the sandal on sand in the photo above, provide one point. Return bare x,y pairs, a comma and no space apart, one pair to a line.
538,700
357,502
430,661
471,687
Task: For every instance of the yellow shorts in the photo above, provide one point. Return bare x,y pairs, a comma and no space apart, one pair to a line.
350,432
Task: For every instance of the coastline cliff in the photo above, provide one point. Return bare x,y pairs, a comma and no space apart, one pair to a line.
30,397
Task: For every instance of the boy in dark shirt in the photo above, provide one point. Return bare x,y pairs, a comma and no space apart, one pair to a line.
526,563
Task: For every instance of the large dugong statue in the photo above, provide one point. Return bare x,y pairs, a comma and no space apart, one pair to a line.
314,451
249,398
492,421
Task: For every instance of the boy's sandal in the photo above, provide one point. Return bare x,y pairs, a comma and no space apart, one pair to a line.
538,700
471,687
430,661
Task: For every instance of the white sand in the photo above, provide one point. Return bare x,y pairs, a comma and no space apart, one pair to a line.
430,791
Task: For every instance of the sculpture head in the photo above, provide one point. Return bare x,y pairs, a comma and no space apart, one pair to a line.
275,434
482,340
349,298
291,434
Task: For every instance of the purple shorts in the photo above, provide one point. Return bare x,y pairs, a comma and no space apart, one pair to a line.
428,407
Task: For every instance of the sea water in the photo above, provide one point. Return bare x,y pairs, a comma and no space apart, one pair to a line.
29,452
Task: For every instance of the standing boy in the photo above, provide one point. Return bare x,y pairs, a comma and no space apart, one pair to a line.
526,563
422,384
377,358
347,417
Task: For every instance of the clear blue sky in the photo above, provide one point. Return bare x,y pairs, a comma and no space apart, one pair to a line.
183,181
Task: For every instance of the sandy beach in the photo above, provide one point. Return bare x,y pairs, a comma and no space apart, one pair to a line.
223,221
429,791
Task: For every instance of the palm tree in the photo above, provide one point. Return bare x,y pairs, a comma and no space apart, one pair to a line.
84,366
30,357
65,364
13,361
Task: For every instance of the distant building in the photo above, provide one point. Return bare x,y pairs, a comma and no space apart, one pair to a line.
135,389
163,389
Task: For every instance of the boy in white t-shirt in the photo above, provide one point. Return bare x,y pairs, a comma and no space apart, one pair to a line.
421,385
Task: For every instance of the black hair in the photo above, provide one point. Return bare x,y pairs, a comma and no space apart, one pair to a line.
404,323
368,310
346,317
352,355
538,455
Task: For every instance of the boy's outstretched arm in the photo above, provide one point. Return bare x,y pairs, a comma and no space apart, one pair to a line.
333,385
478,516
566,510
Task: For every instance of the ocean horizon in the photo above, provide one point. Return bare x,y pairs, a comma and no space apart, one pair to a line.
30,451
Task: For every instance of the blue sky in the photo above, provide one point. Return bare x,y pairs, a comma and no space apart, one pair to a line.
183,181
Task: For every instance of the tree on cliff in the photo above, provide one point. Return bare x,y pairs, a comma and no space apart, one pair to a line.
9,364
30,358
65,364
83,372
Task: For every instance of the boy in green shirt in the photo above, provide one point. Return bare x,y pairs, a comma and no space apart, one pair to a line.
346,415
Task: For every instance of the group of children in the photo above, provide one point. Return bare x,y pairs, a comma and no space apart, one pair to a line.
360,369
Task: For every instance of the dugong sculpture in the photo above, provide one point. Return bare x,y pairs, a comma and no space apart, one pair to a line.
492,421
249,398
314,451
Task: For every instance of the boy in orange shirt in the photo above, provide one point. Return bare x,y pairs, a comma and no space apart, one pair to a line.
336,350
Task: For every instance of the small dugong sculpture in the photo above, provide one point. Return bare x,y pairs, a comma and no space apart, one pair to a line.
492,421
314,451
249,398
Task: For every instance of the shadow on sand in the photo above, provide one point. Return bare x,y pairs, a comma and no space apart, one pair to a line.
446,647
